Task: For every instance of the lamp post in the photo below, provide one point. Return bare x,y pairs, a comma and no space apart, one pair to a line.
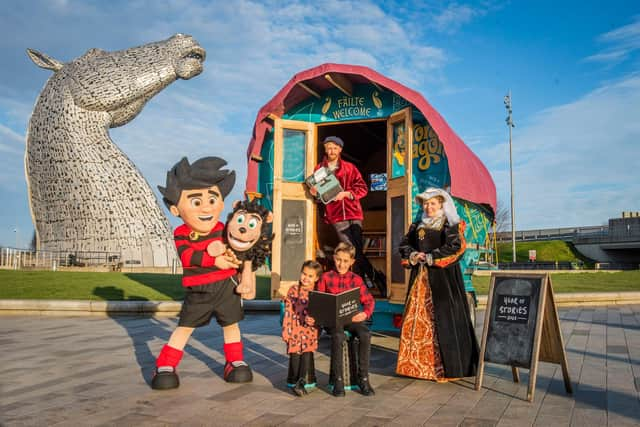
509,120
15,230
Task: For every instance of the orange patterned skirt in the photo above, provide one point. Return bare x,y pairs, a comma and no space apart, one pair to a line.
419,353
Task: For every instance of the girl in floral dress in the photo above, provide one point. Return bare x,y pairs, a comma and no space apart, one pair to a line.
299,330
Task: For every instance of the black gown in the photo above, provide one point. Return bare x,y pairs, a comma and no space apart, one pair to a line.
456,336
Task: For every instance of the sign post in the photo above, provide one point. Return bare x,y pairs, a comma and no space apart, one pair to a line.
521,327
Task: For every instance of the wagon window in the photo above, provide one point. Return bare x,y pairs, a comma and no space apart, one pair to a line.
293,164
398,150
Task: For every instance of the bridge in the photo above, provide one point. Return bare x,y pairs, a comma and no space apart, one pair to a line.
565,233
618,242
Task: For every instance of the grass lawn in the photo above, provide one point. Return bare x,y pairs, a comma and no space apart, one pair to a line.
580,282
17,284
166,287
550,250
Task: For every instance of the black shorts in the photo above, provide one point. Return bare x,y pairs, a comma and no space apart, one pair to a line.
218,300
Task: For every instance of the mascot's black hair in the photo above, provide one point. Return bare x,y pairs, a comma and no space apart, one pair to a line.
203,173
262,248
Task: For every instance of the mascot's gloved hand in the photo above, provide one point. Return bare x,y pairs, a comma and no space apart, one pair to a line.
247,286
216,248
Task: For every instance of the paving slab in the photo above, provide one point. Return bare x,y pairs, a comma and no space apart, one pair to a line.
88,370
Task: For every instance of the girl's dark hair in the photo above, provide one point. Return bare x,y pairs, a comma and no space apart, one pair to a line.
203,173
314,265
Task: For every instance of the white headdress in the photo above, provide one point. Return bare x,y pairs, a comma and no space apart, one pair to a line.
448,206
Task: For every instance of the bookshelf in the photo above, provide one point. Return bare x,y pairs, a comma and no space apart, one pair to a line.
374,244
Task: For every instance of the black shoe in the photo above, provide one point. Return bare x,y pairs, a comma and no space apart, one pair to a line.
365,387
237,372
338,389
165,378
299,389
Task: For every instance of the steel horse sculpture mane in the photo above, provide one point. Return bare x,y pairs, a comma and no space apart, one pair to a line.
84,193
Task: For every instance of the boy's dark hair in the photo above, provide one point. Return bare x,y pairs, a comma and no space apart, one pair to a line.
314,265
345,247
202,173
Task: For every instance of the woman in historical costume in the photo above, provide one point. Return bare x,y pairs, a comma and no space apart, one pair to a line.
438,341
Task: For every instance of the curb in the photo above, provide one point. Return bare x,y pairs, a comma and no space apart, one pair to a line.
585,299
172,308
83,307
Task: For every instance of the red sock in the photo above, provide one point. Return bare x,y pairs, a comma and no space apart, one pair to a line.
233,351
169,356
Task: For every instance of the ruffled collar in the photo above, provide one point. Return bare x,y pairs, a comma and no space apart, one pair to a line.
435,222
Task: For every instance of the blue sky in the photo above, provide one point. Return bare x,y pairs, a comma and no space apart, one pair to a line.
572,68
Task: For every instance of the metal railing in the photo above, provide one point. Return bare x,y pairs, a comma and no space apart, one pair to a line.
566,265
25,259
605,238
566,233
539,265
12,258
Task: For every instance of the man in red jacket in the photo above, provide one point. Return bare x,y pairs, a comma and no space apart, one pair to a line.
345,211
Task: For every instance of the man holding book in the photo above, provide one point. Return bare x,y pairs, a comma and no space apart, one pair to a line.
334,282
344,212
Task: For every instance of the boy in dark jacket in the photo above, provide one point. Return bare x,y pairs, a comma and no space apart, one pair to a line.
336,281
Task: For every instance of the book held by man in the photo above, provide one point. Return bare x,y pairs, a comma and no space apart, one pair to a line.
325,183
334,310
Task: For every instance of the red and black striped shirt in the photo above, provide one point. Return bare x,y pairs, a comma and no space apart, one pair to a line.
198,267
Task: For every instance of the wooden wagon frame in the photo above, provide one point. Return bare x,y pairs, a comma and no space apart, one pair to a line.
379,119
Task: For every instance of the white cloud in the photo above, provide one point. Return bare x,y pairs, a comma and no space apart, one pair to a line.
11,141
453,17
626,35
622,41
609,56
579,159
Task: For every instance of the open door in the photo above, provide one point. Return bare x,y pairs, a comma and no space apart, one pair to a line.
399,160
294,158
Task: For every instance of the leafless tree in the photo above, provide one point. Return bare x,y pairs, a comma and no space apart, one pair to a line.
503,217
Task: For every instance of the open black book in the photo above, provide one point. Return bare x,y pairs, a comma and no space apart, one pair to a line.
334,310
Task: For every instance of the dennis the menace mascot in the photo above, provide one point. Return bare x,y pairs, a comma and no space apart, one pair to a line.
195,193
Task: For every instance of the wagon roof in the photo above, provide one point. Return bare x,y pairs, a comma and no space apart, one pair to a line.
470,179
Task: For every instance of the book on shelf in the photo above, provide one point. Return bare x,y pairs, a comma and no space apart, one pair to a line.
334,310
374,243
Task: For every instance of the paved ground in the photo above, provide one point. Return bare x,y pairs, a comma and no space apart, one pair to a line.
95,370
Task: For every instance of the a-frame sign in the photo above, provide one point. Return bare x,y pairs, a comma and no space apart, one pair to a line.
521,327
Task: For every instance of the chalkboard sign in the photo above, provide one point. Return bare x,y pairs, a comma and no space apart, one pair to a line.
512,320
292,251
521,327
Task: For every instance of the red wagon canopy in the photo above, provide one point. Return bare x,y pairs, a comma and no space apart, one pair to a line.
470,179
